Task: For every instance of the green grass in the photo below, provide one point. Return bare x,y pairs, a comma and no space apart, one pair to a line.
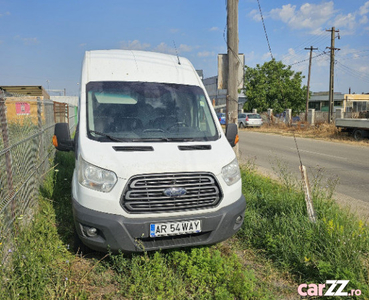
197,273
335,247
42,264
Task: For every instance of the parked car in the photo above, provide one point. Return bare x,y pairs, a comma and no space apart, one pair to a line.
283,116
249,120
221,118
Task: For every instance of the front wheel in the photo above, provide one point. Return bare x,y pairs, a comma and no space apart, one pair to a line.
241,125
358,134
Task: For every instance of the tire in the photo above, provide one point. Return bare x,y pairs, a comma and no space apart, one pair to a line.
241,125
358,134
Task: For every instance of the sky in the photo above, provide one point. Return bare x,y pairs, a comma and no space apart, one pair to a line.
43,42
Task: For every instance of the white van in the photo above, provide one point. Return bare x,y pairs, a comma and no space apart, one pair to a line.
154,169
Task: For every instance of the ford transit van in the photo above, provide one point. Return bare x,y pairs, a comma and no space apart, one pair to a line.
154,169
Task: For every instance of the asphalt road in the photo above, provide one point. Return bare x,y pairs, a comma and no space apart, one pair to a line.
348,163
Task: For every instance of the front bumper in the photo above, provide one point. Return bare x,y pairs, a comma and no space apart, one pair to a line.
116,232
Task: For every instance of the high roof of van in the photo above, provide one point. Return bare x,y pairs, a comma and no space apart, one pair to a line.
129,65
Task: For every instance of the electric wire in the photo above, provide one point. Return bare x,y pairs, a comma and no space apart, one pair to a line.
316,41
265,31
298,54
304,60
355,73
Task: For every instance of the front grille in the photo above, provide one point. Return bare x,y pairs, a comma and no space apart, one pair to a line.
145,193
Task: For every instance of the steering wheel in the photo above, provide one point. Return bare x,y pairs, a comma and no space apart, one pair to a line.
154,130
177,125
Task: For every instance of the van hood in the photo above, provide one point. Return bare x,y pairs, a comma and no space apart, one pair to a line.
128,159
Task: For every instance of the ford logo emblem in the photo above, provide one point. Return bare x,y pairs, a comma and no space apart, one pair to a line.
175,192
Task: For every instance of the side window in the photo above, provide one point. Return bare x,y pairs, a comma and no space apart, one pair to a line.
204,116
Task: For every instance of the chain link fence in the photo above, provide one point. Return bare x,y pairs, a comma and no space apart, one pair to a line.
26,155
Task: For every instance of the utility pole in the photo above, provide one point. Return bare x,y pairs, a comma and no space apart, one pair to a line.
233,61
331,73
233,65
308,83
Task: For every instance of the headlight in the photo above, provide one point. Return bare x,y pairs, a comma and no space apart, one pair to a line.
95,178
231,172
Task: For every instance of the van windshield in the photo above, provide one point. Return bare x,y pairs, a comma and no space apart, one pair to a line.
146,111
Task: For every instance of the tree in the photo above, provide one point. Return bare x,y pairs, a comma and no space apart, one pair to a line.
274,85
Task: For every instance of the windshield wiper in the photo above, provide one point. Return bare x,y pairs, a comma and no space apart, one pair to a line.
181,139
159,139
152,139
114,139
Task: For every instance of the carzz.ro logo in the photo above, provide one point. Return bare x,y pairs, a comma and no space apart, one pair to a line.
336,288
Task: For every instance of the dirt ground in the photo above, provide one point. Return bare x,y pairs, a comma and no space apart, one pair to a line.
322,131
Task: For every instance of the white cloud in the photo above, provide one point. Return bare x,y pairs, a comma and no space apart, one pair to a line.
316,16
317,31
255,15
363,10
345,21
352,21
308,16
266,56
134,45
27,41
249,57
214,29
184,48
363,20
205,53
164,48
285,14
4,14
364,69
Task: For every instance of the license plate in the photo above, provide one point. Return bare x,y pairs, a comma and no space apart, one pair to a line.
175,228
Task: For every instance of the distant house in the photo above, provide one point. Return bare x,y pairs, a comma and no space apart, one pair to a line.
348,102
25,90
65,108
70,100
219,97
21,102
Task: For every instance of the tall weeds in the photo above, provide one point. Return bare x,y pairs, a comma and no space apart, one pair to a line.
43,266
276,221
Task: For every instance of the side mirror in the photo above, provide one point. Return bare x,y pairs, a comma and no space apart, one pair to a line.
232,134
61,138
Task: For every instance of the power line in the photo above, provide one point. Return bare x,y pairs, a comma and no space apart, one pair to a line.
316,40
347,55
265,31
354,73
304,60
